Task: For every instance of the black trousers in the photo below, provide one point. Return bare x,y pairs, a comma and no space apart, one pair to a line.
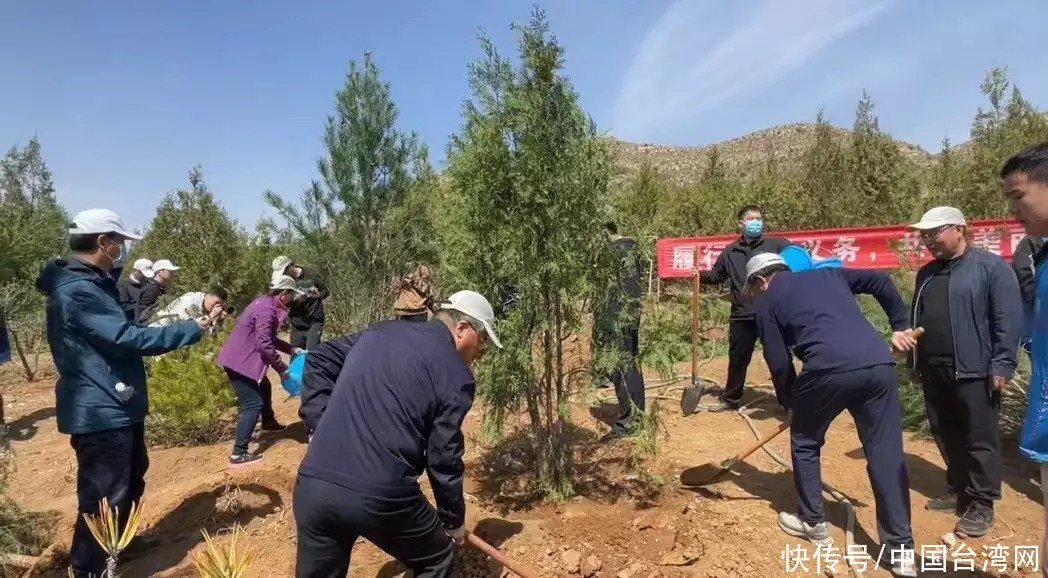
330,518
628,380
742,340
963,414
110,464
307,338
870,395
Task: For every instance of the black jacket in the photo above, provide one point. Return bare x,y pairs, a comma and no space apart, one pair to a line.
130,291
396,411
1022,264
986,313
813,315
622,306
323,364
731,266
147,301
306,309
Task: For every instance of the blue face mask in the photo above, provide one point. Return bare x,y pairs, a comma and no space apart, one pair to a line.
753,228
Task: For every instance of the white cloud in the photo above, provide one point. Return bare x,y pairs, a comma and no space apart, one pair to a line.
688,63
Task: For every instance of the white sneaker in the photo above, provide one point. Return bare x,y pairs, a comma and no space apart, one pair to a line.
905,569
794,526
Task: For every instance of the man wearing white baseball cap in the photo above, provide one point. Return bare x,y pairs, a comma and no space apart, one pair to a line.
100,397
130,287
163,273
400,392
306,312
969,303
846,367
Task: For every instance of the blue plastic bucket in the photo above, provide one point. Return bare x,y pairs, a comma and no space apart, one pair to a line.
796,258
293,383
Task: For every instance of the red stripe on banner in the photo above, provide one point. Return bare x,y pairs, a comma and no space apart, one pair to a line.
884,247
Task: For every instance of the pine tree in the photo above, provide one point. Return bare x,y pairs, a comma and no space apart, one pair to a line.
34,230
364,222
945,179
638,206
824,183
532,173
194,231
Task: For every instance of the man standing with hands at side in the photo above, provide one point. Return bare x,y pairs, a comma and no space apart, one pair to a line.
307,310
967,299
742,329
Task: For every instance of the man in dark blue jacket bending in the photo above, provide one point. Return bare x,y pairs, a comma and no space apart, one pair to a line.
396,410
846,366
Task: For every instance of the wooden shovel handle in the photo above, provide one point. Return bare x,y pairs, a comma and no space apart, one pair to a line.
497,555
695,287
785,425
917,333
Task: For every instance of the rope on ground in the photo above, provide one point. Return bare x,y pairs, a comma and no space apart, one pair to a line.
849,532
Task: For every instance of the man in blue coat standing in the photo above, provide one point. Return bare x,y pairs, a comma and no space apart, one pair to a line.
1025,182
101,399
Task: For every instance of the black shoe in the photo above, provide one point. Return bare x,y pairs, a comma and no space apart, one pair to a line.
273,426
242,460
976,521
944,503
612,436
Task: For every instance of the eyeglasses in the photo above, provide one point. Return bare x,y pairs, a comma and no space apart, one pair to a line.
931,234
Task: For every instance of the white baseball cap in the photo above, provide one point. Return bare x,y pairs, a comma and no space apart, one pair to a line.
762,261
281,263
164,265
100,222
476,306
144,266
284,283
940,217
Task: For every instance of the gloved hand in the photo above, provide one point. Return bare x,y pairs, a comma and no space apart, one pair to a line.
458,535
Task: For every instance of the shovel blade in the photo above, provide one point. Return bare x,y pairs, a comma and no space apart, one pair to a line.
703,475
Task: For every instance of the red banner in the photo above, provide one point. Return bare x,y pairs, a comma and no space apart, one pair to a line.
887,247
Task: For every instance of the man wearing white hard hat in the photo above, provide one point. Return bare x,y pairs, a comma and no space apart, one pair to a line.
969,303
130,287
306,313
399,397
163,273
846,366
100,396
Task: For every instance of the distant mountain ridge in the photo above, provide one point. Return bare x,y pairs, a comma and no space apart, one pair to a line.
786,144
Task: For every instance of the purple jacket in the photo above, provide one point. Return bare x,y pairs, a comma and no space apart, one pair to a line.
253,344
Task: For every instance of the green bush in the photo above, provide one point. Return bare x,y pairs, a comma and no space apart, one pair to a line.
190,400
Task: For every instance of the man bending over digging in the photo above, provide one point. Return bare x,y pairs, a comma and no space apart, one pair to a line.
847,366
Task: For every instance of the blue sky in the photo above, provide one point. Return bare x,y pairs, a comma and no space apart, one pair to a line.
127,96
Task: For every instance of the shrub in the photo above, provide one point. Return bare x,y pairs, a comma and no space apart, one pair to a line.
190,400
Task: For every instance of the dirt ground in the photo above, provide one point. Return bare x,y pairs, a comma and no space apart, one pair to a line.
636,522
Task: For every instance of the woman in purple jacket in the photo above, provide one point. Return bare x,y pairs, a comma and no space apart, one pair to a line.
250,350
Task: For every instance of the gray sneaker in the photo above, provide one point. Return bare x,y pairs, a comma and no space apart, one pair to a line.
905,569
794,526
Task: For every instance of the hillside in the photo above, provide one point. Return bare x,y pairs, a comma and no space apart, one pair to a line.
785,143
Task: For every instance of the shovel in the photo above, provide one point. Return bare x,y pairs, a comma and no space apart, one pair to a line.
497,555
689,399
710,473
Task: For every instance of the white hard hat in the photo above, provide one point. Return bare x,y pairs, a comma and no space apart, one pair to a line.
476,306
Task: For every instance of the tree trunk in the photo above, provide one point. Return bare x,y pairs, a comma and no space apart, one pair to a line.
30,373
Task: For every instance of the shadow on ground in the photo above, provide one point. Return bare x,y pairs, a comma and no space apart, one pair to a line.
508,480
25,427
217,510
470,561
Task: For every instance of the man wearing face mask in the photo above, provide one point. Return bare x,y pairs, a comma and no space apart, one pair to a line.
396,411
969,304
742,330
100,396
